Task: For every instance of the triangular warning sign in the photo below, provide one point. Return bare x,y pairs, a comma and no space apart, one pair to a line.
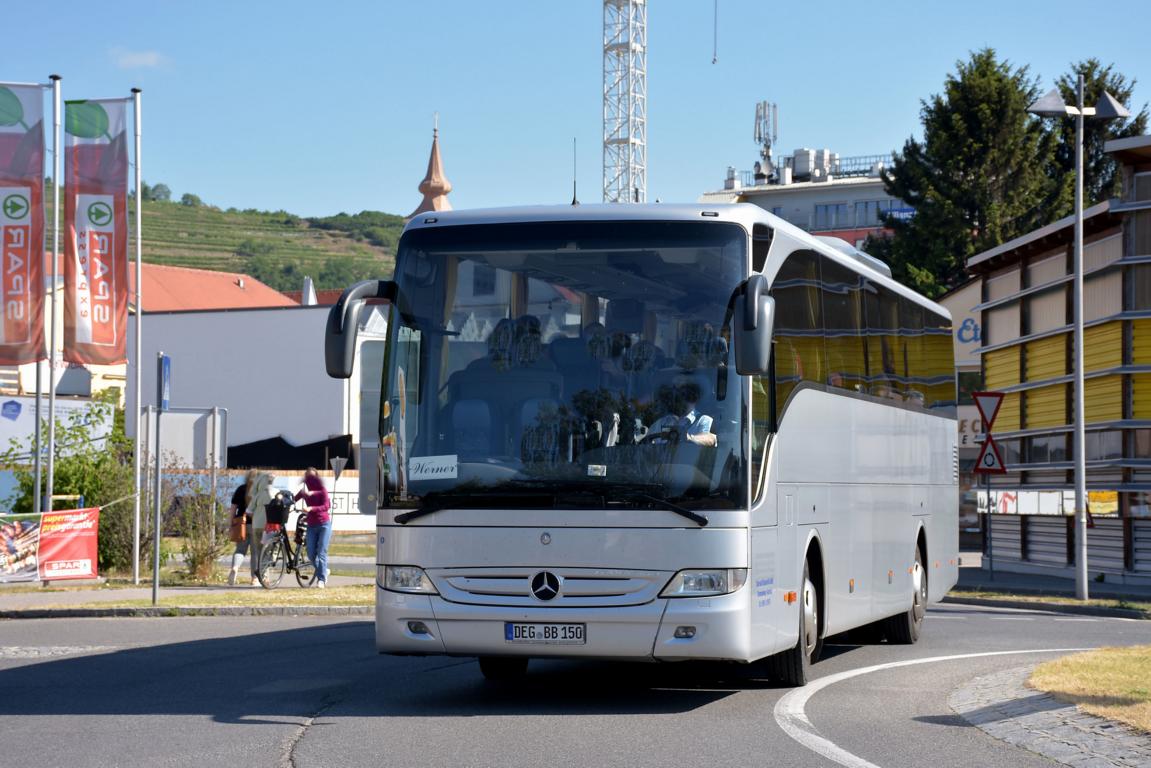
989,461
337,463
988,404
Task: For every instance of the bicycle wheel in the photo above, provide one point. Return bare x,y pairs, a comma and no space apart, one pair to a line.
305,568
272,564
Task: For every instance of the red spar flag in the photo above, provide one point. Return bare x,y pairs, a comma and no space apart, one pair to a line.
21,224
96,225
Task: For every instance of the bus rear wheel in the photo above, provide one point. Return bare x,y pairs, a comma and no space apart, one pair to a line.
503,668
792,667
904,628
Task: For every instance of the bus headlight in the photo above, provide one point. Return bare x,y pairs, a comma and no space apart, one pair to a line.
705,583
406,578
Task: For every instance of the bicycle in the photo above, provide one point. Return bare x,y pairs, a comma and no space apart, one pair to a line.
279,556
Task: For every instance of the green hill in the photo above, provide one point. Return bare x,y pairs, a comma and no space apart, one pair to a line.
278,248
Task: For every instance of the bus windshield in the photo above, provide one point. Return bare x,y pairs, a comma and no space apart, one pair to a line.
564,365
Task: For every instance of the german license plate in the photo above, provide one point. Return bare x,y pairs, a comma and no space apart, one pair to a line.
545,634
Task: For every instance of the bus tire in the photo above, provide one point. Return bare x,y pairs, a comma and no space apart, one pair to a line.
503,668
904,628
792,667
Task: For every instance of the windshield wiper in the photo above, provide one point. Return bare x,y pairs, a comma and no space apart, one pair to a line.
436,502
670,506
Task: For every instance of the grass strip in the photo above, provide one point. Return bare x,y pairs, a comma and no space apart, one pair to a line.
351,549
1039,600
287,594
1114,683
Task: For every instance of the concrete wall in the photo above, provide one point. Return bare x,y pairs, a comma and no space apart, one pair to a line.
265,366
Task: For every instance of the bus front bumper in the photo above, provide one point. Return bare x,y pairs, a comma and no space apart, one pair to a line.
712,628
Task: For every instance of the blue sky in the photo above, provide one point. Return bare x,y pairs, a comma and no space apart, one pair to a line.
318,108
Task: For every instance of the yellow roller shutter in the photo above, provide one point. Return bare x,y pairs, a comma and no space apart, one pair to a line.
1103,398
1140,342
1103,346
1002,368
1008,418
1046,407
1141,394
1047,358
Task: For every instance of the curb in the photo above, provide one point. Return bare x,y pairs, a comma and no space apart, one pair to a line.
1088,610
159,611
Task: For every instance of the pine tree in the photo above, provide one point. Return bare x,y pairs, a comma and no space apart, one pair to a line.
1100,173
978,178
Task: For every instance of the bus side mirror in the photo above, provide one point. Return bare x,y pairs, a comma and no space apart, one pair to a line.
344,323
753,319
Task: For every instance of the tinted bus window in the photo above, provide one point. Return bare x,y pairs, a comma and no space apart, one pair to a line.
843,327
912,351
799,349
938,363
885,363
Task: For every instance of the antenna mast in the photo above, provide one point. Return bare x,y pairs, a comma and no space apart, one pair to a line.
624,101
766,133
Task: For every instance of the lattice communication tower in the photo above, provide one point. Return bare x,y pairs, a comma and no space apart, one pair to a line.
625,101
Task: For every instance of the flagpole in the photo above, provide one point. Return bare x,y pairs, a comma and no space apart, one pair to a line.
56,172
139,320
37,448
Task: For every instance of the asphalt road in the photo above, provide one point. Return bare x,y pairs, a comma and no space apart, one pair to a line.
310,691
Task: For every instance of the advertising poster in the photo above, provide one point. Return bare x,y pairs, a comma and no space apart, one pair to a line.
68,544
96,227
49,547
21,224
19,541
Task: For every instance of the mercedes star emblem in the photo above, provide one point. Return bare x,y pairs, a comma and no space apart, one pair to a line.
545,585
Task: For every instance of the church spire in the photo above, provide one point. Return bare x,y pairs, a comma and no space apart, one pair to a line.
435,186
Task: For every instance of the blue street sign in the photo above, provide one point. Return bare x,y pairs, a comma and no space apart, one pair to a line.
165,381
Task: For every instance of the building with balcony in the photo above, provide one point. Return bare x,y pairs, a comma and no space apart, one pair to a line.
1027,353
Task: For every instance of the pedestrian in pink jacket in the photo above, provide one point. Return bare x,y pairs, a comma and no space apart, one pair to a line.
315,496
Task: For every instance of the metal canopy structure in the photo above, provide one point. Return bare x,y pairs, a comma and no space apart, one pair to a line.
625,101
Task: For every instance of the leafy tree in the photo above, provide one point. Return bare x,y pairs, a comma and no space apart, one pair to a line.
340,273
100,470
281,274
1100,172
379,229
978,177
190,200
249,248
159,193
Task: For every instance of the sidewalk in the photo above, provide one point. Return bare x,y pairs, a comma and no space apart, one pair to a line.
63,598
974,574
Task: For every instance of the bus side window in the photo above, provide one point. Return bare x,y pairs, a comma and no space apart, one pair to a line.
799,352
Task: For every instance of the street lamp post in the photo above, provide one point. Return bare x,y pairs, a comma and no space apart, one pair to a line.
1051,105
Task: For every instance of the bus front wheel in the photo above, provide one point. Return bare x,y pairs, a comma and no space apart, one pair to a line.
791,667
502,668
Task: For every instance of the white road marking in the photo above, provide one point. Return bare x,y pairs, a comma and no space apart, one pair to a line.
1012,618
1077,619
936,617
49,651
791,717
